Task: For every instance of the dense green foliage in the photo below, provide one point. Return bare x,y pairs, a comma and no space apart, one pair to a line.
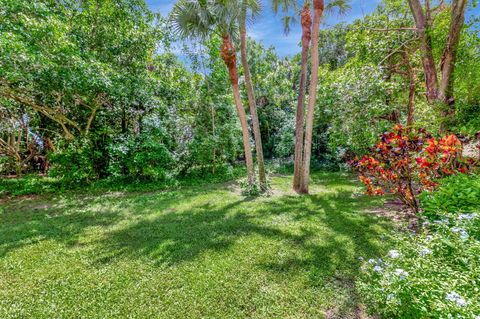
92,90
113,125
457,194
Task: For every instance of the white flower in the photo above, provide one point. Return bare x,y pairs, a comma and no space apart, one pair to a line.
393,254
455,297
466,216
401,273
463,233
377,269
429,237
360,258
441,221
425,251
425,224
372,261
390,297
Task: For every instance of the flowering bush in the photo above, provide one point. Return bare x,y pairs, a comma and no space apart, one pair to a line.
432,275
404,162
436,273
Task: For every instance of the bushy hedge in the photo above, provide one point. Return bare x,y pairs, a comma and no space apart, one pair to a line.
459,193
435,273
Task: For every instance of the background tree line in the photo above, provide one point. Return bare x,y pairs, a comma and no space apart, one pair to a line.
92,89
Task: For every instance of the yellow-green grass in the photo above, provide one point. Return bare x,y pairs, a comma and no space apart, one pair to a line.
199,252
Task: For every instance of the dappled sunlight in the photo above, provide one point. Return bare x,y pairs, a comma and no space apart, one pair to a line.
311,242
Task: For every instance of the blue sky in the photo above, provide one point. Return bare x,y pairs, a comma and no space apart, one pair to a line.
268,27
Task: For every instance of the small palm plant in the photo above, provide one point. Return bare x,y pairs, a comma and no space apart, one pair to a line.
197,19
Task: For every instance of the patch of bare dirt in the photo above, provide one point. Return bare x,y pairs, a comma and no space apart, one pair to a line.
6,199
395,210
358,313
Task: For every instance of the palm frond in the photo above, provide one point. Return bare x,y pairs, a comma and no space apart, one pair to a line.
287,22
341,7
192,19
284,5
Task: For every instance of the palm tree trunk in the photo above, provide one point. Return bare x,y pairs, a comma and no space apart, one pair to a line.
318,6
306,21
252,104
227,52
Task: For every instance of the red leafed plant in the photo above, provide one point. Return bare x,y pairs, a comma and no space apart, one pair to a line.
405,162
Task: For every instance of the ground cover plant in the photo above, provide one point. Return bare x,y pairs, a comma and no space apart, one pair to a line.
433,273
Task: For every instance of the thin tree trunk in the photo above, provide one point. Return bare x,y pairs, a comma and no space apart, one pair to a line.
318,6
252,104
228,55
411,91
306,21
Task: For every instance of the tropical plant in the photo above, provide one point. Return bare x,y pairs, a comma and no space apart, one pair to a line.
405,162
310,32
198,19
254,7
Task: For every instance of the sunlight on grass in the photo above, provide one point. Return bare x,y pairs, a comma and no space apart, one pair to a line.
198,252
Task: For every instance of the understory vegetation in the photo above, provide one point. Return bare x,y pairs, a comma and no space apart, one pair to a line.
434,273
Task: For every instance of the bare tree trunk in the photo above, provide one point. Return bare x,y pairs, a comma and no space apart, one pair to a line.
429,68
227,52
306,21
447,64
442,92
252,104
318,6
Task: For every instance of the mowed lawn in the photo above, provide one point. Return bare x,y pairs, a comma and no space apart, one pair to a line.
200,252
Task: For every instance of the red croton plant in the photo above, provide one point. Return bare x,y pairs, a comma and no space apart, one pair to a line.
406,161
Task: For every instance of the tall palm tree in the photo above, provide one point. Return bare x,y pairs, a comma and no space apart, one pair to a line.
306,21
303,146
254,6
201,18
318,8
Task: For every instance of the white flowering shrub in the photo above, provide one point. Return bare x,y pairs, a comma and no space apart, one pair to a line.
435,274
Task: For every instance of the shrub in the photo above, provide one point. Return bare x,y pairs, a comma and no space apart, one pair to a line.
142,157
456,194
436,273
74,163
405,162
432,275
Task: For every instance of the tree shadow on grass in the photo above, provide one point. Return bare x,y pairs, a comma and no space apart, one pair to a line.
328,228
322,235
175,236
65,219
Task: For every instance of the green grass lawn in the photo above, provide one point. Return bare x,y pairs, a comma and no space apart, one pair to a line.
198,252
